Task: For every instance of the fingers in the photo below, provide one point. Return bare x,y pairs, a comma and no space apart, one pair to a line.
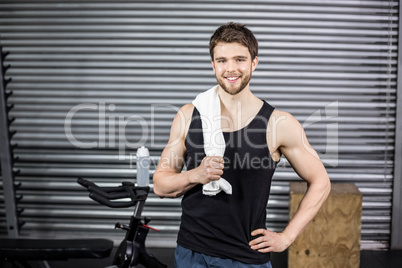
258,232
258,240
214,162
266,250
214,166
211,169
264,243
263,247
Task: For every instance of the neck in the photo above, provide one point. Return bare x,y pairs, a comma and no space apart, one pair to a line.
234,102
237,110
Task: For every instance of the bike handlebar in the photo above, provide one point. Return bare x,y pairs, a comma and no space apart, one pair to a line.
84,183
104,195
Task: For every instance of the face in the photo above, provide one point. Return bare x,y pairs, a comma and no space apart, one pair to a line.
233,66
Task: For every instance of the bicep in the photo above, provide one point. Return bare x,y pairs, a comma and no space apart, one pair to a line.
298,151
172,157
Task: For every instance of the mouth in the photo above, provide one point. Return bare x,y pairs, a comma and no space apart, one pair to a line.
232,79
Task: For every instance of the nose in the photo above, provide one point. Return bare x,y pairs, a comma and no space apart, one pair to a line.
231,66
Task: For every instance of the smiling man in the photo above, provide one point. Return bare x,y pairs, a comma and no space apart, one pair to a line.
229,230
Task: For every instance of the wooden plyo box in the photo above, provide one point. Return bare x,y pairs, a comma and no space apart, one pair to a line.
332,239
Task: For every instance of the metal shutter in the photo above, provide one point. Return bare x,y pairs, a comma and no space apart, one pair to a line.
332,64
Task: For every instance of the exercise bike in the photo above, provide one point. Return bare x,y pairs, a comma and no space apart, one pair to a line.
132,250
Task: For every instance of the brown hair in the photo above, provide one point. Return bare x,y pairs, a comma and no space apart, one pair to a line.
234,32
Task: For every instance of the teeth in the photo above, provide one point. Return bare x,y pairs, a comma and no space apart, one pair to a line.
232,78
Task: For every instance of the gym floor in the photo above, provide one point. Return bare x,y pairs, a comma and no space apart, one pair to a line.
368,259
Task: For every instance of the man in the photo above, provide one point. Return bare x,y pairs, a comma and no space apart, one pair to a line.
229,230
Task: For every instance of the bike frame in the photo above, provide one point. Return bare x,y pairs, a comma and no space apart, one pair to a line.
132,249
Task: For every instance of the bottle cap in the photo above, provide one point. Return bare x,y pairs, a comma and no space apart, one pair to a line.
142,151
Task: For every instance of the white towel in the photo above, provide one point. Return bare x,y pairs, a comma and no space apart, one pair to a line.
209,106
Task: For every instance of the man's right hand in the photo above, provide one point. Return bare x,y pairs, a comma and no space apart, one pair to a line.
210,169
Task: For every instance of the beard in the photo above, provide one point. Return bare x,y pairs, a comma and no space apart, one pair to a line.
243,83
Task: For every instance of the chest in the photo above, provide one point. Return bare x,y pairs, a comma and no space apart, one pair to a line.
238,118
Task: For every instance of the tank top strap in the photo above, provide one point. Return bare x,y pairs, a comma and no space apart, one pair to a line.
266,110
260,121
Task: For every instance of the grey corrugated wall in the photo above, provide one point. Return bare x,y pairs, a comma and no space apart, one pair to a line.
120,70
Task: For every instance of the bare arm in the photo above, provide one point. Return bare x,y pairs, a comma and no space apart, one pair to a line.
169,180
305,161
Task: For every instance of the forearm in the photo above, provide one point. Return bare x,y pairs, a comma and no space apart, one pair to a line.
172,184
312,201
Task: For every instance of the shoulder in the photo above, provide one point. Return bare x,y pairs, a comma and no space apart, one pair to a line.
187,109
185,113
285,127
182,120
283,119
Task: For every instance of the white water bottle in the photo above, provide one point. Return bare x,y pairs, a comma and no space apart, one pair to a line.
143,166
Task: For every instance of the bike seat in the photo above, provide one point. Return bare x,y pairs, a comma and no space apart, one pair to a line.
52,249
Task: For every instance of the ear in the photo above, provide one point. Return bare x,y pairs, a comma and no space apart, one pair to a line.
254,63
213,65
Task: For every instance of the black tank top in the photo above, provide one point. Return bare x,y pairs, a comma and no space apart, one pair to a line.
221,225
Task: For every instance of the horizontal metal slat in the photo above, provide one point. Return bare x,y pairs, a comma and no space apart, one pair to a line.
336,6
130,24
273,50
311,36
352,16
48,74
355,3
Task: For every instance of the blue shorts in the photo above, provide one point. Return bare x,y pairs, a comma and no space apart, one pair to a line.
185,258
